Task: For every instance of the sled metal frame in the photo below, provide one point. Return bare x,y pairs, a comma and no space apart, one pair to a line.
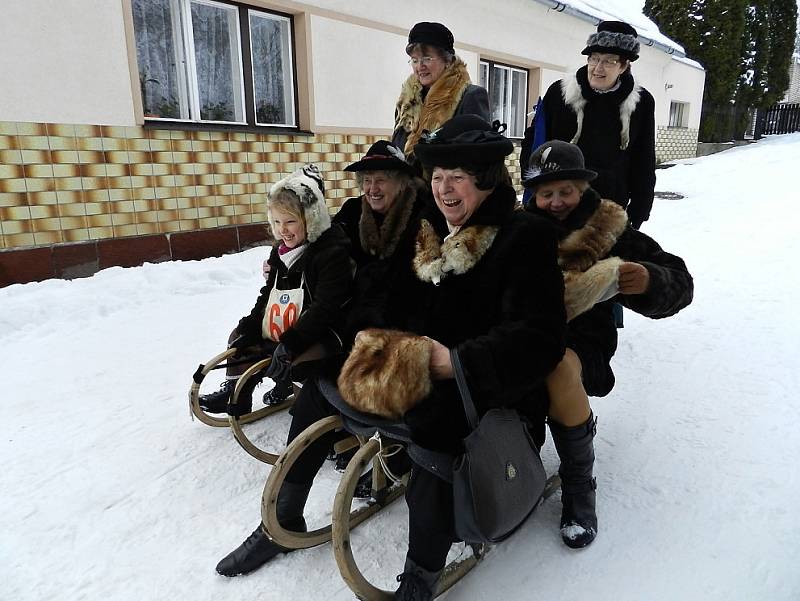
343,551
383,492
234,422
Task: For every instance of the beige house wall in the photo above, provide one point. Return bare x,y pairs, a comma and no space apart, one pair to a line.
78,163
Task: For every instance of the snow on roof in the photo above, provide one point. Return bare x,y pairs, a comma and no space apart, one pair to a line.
629,11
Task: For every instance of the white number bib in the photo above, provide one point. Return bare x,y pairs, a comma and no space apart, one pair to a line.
281,313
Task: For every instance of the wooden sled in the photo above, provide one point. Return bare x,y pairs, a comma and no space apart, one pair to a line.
383,492
233,421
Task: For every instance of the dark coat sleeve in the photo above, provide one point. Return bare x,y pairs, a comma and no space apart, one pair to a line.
671,286
474,101
642,168
329,281
528,342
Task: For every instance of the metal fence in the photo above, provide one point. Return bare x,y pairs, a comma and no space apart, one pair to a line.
779,119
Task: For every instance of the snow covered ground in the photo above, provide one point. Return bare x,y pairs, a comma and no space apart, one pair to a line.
110,491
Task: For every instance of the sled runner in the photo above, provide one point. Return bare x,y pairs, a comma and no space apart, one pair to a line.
235,422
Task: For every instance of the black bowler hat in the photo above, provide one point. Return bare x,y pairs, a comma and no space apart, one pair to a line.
556,160
431,34
464,140
614,37
382,156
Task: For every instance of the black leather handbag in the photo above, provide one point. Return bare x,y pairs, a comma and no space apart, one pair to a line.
498,481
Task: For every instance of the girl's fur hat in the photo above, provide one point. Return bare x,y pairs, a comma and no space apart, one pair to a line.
307,185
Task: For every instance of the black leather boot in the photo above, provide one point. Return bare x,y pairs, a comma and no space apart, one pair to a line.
217,401
258,549
279,393
575,448
416,583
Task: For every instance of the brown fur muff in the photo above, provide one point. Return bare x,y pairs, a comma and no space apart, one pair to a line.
387,372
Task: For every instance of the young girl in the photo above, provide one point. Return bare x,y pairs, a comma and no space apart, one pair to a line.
308,283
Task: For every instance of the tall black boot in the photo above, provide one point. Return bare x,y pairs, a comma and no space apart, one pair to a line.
576,451
416,583
258,549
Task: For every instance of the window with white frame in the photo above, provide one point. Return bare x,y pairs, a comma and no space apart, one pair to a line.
208,61
678,114
508,95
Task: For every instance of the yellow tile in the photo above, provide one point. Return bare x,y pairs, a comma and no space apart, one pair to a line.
93,183
13,185
90,144
114,144
42,198
160,145
184,214
122,206
99,197
45,224
115,170
100,220
21,213
100,233
208,222
124,195
40,184
8,128
88,131
31,129
12,172
120,183
61,171
143,184
142,169
10,157
64,156
73,223
76,235
147,228
125,230
188,225
12,199
162,192
144,205
91,156
205,212
18,240
175,134
68,184
94,170
72,209
161,169
70,196
120,157
9,143
51,237
118,219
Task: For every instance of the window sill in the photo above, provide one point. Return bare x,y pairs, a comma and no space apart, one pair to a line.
199,126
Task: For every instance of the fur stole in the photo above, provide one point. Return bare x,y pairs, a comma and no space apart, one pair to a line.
590,277
573,97
387,372
435,260
415,115
382,242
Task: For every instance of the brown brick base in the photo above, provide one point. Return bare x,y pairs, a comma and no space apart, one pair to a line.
67,261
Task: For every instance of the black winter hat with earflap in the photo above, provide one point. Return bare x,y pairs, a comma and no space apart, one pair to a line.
614,37
464,140
556,160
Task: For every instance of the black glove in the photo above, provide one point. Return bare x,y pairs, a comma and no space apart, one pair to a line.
281,365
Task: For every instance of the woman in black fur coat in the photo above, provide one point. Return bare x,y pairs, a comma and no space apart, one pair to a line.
604,261
610,117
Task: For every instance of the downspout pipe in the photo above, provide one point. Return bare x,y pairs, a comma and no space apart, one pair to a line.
561,7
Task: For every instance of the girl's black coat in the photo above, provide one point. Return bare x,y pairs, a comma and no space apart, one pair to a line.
505,317
328,286
593,335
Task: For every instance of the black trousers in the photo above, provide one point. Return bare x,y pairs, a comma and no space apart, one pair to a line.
431,523
310,407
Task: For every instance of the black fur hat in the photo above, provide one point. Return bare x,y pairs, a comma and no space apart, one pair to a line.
382,156
431,34
464,140
556,160
614,37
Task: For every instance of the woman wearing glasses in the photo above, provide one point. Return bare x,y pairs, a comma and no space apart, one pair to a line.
610,117
438,89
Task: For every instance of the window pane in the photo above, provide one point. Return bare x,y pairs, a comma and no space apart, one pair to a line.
158,51
519,97
270,44
484,77
216,54
498,95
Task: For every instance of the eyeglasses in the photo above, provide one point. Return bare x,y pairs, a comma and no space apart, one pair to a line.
425,60
606,62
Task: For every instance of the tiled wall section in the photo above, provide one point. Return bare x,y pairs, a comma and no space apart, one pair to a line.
70,183
62,183
675,143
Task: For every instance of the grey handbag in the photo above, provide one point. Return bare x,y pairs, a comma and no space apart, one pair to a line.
499,479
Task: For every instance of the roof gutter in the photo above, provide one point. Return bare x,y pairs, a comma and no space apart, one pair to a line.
560,7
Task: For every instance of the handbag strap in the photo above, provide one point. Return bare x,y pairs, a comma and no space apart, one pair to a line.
466,397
